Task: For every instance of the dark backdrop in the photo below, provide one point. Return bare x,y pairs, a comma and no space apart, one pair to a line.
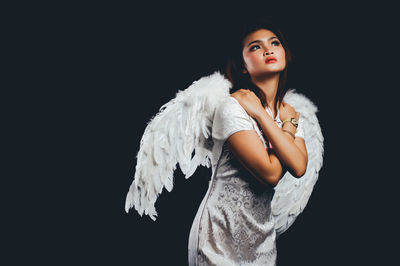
99,72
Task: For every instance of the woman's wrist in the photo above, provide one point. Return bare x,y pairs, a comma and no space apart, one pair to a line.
289,132
290,127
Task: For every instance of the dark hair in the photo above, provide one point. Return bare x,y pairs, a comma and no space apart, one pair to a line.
235,63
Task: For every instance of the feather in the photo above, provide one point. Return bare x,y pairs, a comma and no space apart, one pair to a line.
292,194
182,126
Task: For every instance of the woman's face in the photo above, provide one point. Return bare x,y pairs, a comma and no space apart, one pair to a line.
259,50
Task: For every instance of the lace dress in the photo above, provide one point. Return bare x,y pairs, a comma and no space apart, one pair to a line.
234,223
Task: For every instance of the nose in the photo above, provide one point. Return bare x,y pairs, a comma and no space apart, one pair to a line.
267,52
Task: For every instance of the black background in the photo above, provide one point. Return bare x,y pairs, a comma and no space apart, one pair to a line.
94,74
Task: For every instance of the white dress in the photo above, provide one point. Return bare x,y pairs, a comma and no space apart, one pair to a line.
234,224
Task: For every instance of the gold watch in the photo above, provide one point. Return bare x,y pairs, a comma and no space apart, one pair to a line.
292,120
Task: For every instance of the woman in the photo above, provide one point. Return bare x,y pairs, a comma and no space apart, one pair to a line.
262,140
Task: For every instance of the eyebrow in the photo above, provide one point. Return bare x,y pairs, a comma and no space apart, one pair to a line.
270,38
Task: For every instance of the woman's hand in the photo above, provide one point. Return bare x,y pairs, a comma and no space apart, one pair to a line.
249,101
287,111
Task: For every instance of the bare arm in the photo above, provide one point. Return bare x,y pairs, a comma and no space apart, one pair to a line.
250,151
292,152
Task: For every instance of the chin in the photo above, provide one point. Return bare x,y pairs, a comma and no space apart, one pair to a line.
274,69
271,71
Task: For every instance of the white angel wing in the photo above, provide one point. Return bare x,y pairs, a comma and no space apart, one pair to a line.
181,127
292,194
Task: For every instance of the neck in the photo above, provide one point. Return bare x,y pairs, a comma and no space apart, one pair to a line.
269,85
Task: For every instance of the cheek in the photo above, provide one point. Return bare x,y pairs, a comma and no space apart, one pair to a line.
282,55
253,59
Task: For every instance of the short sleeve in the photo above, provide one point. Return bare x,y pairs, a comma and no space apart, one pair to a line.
229,118
300,129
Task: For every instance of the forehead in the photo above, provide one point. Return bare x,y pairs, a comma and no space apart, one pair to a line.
261,34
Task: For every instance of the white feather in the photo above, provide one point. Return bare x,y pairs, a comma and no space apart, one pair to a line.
181,127
292,194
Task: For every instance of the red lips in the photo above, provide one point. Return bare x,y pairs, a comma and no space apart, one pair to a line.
270,59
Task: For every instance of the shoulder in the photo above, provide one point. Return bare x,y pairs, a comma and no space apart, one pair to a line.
229,101
229,105
229,118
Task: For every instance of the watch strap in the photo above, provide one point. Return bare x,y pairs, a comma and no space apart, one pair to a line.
292,120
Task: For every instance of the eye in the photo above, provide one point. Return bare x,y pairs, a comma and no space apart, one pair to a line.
252,48
276,43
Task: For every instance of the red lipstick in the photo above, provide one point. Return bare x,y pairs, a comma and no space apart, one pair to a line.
270,59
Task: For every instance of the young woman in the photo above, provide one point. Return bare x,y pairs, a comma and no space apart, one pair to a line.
262,140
